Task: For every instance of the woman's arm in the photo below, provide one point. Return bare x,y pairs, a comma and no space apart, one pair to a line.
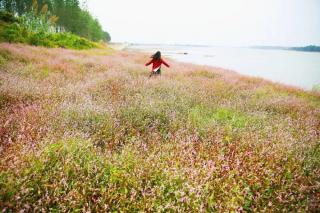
147,64
165,63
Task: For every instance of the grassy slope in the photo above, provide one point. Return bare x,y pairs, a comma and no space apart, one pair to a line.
87,130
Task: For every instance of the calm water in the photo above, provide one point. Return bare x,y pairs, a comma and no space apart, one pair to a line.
301,69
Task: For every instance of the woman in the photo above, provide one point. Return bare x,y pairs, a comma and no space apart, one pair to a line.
156,62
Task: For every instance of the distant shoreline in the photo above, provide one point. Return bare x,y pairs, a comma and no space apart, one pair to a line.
310,48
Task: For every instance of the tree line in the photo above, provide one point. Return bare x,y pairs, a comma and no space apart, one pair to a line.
70,16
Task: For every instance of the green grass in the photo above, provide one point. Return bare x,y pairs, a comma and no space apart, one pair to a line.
204,117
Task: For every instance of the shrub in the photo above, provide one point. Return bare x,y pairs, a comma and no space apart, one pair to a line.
68,40
38,31
7,17
16,33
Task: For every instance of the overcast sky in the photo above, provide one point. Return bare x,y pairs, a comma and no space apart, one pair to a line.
215,22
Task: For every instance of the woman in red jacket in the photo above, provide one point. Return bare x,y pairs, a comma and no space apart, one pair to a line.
156,62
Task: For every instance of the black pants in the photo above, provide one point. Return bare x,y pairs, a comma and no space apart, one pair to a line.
158,72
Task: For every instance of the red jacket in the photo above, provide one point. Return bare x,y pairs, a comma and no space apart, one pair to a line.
157,63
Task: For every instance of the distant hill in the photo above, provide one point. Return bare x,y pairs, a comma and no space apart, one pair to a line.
310,48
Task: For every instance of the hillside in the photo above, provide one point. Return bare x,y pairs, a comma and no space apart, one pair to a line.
87,130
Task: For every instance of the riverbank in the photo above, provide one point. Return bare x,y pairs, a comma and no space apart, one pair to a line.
300,69
87,130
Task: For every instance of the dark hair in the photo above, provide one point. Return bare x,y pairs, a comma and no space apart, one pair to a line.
157,55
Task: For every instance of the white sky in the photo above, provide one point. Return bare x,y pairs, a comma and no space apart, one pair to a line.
215,22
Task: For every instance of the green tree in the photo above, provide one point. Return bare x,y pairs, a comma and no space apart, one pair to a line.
71,17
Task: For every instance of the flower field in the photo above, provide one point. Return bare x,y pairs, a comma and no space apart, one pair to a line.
86,130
